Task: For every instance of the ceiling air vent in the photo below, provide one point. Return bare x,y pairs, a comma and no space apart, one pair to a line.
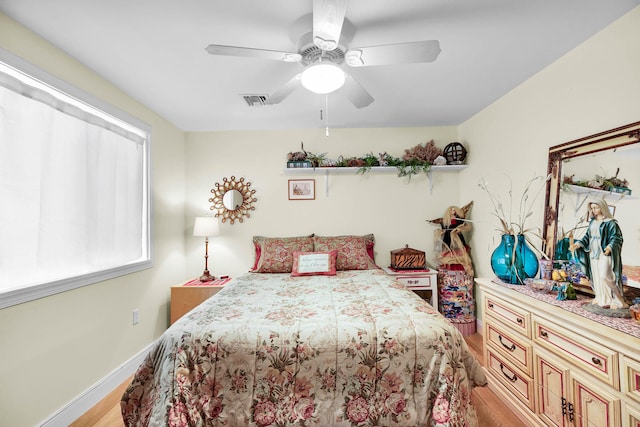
255,100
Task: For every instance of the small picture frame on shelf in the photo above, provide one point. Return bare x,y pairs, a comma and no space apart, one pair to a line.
302,189
298,164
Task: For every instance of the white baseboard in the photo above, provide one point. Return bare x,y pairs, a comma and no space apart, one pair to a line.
94,394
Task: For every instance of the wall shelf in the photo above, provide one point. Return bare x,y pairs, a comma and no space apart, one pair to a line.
326,171
583,193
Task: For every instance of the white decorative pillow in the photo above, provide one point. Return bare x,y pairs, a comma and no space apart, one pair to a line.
314,263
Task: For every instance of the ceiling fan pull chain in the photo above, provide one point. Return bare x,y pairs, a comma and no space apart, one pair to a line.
326,118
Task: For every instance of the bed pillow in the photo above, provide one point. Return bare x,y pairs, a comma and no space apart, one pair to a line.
258,242
352,250
257,246
314,263
370,242
276,253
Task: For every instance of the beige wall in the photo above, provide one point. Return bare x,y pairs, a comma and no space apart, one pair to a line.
593,88
55,348
392,208
61,345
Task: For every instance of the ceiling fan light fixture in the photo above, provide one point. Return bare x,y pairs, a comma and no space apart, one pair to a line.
323,78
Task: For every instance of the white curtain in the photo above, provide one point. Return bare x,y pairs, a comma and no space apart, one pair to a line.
71,192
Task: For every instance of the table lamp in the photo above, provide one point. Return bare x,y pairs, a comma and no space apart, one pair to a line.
206,226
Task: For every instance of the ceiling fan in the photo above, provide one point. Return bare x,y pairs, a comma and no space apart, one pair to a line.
320,53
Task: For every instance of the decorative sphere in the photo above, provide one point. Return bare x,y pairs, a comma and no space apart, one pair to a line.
455,153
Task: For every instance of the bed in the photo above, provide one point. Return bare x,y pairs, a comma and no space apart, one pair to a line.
345,348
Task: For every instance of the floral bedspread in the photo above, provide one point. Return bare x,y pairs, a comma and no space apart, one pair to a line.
356,349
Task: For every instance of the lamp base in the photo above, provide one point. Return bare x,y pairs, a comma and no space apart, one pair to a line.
206,277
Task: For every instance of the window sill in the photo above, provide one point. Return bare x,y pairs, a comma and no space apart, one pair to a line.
13,297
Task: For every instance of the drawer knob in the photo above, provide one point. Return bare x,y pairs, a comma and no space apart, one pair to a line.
513,378
544,334
596,361
519,320
511,347
490,305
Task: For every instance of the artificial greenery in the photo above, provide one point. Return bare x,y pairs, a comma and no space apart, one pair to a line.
598,183
316,159
412,167
406,167
416,160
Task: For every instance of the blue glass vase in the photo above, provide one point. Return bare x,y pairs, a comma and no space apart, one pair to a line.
526,258
513,260
562,249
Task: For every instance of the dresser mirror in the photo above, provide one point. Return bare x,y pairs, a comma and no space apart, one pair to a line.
577,169
232,199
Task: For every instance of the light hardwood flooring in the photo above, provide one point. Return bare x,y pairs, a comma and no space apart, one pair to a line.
492,412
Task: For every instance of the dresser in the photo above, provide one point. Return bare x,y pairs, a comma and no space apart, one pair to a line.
190,294
556,366
418,280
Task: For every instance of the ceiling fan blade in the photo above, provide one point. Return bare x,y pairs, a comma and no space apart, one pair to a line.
328,17
401,53
216,49
355,92
286,90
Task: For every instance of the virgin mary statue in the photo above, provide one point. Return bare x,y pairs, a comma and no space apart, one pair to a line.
599,254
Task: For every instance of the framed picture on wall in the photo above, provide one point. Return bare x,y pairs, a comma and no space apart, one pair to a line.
302,189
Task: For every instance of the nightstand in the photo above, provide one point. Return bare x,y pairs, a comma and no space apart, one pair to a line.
188,295
418,280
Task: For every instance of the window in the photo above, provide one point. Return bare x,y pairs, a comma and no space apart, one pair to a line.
74,187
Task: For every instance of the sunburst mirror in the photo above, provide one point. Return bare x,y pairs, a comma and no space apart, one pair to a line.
232,199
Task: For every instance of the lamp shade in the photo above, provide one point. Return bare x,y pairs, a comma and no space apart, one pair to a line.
323,78
205,226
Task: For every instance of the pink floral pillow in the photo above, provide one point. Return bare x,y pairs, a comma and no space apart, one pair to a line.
276,253
352,251
314,263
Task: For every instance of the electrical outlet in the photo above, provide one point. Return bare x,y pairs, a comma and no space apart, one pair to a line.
136,316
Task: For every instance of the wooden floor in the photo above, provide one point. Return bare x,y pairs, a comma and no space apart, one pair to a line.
491,411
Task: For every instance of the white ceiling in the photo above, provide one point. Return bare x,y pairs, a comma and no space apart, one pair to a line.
154,50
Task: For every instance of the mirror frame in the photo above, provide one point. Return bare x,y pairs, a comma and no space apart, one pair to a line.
608,140
243,210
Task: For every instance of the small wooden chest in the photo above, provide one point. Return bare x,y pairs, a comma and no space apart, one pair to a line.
408,259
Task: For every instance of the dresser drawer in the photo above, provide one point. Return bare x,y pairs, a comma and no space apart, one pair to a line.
630,415
599,361
520,384
417,283
507,314
630,377
510,346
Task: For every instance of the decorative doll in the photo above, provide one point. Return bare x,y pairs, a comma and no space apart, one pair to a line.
453,249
